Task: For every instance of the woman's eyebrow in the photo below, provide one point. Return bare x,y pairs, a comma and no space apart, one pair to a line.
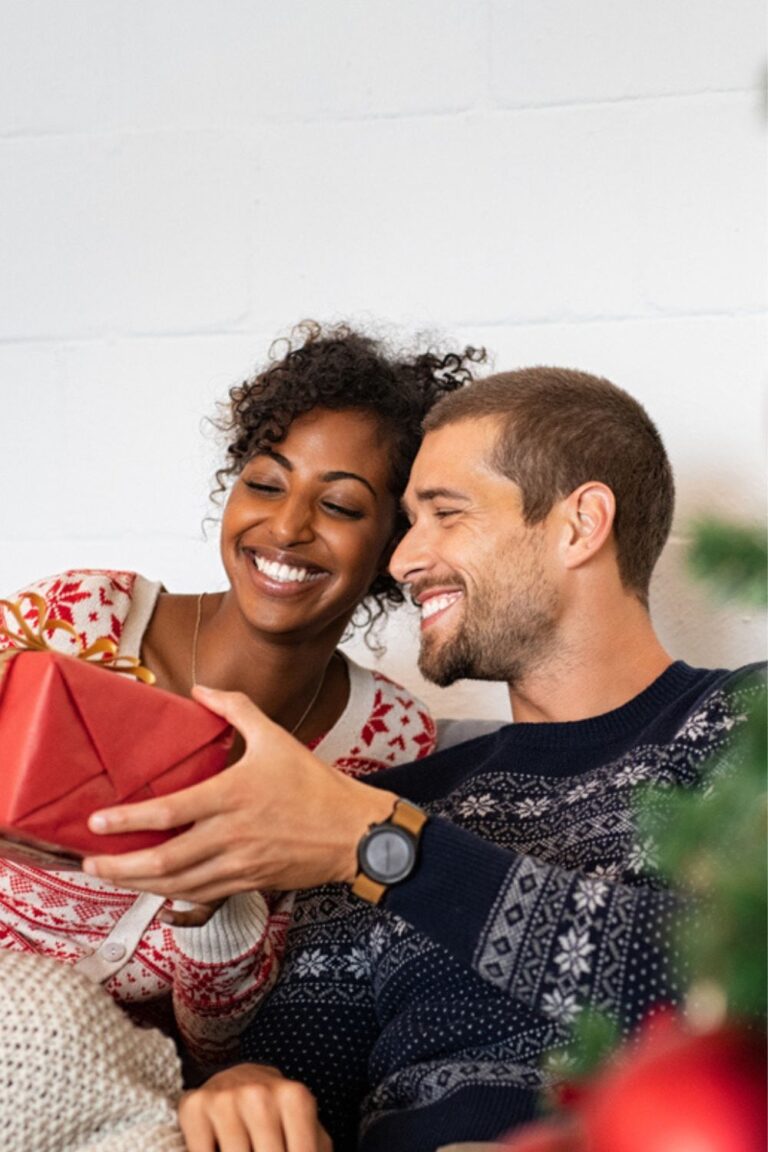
328,477
283,461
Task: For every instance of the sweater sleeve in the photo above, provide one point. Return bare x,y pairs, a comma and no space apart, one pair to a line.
223,970
319,1023
555,939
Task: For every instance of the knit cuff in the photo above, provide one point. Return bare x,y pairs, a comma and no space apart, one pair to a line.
237,927
450,894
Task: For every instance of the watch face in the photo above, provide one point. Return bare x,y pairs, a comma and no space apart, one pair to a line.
387,854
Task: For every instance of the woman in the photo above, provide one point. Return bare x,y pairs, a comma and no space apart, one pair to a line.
319,449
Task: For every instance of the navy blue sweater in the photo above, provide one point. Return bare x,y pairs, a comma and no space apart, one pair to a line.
423,1021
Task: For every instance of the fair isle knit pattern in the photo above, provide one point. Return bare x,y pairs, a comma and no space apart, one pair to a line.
219,973
425,1021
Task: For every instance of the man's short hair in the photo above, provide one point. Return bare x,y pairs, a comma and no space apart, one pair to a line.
559,429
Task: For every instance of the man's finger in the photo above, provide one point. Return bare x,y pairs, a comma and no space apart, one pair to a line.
192,866
235,707
178,856
162,813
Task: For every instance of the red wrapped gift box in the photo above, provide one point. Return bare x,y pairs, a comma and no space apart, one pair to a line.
74,738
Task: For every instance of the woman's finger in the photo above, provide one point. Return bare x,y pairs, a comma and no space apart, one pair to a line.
298,1111
193,916
195,1125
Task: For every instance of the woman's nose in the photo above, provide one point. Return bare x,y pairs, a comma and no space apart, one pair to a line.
291,522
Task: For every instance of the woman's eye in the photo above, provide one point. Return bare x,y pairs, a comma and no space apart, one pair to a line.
342,510
260,486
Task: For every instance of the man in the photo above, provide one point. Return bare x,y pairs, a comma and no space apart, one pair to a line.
437,952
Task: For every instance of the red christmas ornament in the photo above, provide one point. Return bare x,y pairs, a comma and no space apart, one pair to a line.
672,1091
678,1092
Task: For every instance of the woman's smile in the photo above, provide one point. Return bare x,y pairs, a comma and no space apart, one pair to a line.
282,573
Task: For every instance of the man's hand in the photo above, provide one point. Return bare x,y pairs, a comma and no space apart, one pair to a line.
277,819
251,1108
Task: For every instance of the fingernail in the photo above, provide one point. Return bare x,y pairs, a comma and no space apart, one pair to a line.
89,867
97,822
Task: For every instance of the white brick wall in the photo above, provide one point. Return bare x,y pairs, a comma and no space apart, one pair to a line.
181,180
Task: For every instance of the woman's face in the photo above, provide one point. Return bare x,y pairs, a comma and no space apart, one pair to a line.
307,526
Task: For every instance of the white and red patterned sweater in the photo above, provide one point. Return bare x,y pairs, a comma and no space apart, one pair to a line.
219,973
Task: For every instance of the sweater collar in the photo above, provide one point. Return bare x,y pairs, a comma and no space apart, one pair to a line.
611,726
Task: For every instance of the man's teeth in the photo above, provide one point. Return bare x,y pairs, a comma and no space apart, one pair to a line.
437,603
283,573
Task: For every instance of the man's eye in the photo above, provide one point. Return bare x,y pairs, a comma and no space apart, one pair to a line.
444,513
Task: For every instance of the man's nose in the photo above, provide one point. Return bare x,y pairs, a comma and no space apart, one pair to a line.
410,556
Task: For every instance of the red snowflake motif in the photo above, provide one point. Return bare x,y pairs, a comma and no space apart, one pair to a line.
61,598
104,600
375,722
426,738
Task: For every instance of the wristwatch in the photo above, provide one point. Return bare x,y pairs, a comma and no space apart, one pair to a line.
386,855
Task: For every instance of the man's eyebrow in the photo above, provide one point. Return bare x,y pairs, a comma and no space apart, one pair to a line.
425,494
327,477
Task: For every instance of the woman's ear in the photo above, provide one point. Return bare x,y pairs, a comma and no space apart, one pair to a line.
590,511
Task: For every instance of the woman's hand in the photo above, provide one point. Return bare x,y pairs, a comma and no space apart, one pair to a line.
251,1108
277,819
185,915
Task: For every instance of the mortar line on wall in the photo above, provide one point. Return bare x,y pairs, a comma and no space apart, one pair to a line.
73,340
467,112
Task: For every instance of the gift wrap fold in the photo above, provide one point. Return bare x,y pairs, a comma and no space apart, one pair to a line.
75,737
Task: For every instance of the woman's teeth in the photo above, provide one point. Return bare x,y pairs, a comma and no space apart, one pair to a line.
283,573
438,603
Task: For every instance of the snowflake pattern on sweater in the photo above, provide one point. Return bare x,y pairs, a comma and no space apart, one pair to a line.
219,973
423,1021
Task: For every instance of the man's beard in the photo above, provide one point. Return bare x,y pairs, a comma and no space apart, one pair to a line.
505,633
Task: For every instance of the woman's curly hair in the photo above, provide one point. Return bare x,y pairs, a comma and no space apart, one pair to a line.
340,368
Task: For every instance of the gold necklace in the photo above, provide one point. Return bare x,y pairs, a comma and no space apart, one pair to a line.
195,638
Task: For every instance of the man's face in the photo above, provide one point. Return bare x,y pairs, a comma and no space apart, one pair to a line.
485,581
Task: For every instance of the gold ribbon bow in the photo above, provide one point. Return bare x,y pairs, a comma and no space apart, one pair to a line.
102,652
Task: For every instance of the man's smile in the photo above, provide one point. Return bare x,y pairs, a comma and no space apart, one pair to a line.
436,602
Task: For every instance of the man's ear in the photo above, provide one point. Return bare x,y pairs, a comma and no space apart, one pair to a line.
589,513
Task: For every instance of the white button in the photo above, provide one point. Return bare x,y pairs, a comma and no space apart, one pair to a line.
113,952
